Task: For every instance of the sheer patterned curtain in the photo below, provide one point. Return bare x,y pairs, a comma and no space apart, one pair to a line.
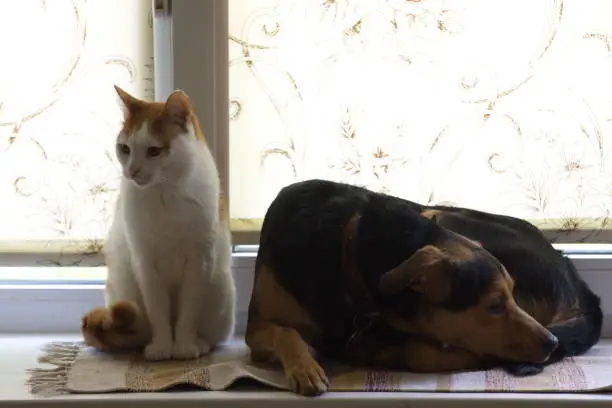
59,117
503,106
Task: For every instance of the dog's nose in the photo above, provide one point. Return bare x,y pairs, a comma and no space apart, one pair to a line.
550,343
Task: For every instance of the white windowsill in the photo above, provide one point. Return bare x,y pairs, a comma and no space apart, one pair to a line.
19,353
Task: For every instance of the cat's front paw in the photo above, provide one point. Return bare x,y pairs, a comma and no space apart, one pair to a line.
185,350
158,350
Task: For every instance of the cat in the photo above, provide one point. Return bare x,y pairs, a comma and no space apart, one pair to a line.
169,287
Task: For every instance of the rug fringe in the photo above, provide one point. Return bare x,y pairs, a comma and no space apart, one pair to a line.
48,382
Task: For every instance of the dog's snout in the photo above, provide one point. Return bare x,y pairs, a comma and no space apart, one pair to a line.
550,344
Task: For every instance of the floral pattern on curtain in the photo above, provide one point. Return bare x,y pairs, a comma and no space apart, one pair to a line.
59,117
503,106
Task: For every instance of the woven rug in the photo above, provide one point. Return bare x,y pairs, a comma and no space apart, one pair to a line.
74,368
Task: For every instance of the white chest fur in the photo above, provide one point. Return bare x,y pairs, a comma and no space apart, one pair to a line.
170,225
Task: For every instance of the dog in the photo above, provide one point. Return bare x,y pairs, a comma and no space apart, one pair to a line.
371,279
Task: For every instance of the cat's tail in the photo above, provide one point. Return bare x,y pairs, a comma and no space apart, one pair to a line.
119,326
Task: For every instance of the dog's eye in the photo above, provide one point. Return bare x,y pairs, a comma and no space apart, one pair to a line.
123,148
496,308
154,151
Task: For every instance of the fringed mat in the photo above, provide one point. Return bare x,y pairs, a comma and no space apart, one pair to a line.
78,369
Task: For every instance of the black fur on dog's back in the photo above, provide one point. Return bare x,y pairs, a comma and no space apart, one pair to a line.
543,275
310,218
577,336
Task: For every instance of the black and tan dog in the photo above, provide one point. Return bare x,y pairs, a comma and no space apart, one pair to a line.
371,279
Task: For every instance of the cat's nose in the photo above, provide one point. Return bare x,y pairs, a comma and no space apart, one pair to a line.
134,172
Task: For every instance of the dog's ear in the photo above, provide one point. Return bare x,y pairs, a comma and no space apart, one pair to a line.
423,272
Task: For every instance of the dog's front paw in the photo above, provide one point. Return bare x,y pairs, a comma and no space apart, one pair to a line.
109,328
523,369
306,377
185,350
159,349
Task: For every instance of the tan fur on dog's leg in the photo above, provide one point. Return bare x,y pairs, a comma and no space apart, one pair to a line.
423,357
269,341
279,329
414,356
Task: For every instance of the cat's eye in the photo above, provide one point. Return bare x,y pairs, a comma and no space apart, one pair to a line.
123,148
154,151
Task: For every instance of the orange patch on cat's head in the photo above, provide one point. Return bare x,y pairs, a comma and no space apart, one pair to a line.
165,121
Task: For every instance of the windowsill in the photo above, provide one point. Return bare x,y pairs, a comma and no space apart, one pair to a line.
19,353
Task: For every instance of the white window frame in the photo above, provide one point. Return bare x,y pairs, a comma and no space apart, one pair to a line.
192,54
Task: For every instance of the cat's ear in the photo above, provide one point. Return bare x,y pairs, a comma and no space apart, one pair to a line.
130,103
178,108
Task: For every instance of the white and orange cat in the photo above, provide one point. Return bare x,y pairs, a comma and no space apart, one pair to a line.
169,288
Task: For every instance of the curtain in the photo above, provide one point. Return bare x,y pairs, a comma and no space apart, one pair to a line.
59,117
502,106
